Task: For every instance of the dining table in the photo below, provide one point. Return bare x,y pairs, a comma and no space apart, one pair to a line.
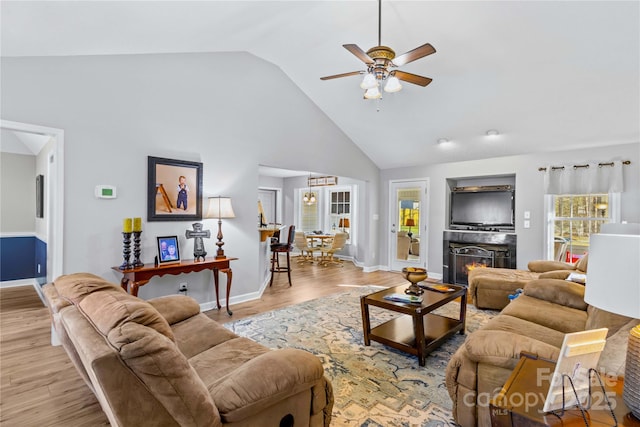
319,240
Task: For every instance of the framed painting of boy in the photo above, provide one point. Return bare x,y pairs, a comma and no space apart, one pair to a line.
174,190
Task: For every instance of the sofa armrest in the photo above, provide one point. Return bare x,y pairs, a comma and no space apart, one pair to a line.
503,348
542,266
563,292
265,380
555,274
175,308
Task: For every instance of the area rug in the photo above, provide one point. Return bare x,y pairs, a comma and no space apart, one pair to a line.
373,385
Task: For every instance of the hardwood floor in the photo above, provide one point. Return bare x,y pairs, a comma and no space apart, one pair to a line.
40,387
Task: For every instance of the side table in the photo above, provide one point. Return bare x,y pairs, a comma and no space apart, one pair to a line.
520,402
133,278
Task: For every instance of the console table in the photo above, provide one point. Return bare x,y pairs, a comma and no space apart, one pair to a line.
133,278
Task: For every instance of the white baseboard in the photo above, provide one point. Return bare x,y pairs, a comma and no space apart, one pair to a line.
19,282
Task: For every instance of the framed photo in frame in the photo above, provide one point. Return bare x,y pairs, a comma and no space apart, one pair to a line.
39,196
174,190
168,249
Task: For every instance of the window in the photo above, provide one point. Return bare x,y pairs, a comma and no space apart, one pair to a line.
333,210
574,218
309,217
340,210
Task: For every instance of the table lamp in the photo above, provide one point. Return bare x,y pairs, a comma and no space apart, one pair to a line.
410,222
344,223
220,207
613,284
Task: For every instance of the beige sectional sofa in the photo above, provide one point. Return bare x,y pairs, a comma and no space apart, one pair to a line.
162,362
535,322
489,288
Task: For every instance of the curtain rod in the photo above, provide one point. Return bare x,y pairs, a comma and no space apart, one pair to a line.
553,168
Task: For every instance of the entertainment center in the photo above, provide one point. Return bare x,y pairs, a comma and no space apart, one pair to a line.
480,228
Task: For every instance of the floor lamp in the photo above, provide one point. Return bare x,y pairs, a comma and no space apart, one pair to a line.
220,207
613,284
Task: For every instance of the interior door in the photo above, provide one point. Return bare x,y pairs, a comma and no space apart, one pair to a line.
407,227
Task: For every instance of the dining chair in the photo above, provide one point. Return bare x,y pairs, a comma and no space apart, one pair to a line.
338,244
277,249
306,251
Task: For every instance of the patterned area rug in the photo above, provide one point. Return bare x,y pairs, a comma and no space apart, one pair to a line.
374,385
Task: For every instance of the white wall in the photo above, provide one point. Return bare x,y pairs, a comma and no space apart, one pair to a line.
529,193
17,193
117,110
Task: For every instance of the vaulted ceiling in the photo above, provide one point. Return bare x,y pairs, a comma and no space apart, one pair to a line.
547,75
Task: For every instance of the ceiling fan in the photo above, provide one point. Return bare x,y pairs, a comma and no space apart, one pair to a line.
381,62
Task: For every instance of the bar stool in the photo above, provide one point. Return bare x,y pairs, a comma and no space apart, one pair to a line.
277,249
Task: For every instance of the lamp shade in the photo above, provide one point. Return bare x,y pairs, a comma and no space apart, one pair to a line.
220,207
344,223
410,222
613,274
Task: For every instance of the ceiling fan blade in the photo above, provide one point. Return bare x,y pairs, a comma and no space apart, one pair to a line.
412,55
413,78
335,76
361,54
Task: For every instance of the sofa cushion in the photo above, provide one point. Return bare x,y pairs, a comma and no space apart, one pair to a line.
74,287
159,364
107,310
503,349
175,308
613,357
561,292
199,333
215,363
518,326
545,313
581,265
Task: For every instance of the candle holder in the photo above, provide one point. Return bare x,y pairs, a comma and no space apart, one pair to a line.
126,251
136,249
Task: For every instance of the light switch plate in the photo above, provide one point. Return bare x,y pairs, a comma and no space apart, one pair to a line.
527,224
527,214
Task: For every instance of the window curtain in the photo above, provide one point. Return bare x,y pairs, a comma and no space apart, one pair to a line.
584,180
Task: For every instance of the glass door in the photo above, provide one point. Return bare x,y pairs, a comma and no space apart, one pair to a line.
407,228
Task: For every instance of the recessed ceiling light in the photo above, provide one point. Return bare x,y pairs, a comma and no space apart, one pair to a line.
442,140
492,132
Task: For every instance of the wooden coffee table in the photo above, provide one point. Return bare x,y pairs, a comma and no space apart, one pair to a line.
419,331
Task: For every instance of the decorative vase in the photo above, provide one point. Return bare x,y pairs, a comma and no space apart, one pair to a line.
414,275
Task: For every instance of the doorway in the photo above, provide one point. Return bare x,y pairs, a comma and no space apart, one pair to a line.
54,190
408,224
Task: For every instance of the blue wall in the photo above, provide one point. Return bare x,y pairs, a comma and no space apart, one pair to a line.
20,256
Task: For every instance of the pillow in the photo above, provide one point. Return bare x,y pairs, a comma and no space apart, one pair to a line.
557,291
613,357
577,278
108,310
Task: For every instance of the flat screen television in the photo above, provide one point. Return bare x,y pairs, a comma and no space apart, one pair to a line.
482,209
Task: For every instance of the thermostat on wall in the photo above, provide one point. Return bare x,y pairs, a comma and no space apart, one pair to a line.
105,192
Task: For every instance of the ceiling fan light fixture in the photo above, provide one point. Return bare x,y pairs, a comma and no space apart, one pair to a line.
373,93
369,81
393,85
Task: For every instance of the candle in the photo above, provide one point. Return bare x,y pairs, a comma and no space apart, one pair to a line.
137,224
127,225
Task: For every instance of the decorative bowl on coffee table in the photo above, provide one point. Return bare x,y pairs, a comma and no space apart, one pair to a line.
414,275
